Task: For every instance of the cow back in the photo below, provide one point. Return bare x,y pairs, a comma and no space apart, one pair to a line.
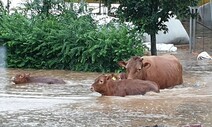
165,70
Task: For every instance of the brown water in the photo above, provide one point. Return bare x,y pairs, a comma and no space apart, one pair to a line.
74,105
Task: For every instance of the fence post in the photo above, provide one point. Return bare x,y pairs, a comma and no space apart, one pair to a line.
193,12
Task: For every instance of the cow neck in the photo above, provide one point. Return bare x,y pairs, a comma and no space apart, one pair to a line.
104,91
144,70
144,74
110,85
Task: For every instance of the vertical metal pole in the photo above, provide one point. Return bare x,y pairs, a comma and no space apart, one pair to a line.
100,6
211,11
192,32
194,29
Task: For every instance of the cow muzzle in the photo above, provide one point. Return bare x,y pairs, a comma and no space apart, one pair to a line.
92,89
12,80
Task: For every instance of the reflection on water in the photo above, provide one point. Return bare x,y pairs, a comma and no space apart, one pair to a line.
73,104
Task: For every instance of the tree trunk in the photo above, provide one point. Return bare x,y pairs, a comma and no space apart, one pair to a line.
153,44
109,7
8,6
46,7
100,6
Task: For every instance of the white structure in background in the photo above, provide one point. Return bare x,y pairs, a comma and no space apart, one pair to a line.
163,47
102,19
176,33
204,56
13,3
104,10
205,12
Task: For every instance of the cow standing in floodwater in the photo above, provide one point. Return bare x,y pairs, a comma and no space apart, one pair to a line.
26,78
106,86
165,70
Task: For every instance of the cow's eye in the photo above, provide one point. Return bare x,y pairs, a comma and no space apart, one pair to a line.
100,81
139,69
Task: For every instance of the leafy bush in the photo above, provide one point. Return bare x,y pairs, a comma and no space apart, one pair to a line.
66,41
105,47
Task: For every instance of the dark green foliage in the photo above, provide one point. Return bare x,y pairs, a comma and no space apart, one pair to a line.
2,10
182,10
1,6
66,41
111,44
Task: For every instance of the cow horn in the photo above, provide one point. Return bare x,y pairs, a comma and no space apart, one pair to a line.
141,58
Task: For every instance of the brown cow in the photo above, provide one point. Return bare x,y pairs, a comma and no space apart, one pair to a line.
106,86
165,70
26,78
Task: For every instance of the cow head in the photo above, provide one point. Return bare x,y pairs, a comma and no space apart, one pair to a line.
135,67
20,78
100,84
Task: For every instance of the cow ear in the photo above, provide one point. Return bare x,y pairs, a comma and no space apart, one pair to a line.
109,77
122,64
27,74
146,65
141,59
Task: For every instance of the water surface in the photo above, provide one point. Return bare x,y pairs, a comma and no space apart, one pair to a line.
73,104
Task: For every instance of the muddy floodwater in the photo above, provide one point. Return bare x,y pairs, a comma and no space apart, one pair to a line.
74,105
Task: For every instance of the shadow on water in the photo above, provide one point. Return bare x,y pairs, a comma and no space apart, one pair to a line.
73,104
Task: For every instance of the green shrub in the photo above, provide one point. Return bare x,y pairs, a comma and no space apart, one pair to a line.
108,45
66,42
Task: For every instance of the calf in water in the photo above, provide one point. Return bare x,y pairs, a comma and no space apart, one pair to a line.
26,78
106,86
